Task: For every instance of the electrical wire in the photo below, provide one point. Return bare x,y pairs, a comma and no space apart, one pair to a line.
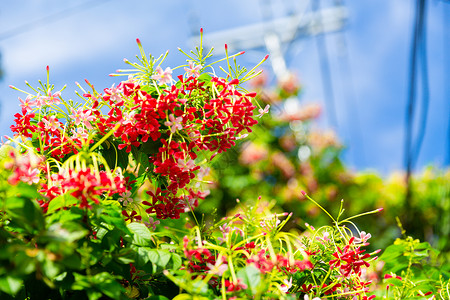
425,87
418,45
446,49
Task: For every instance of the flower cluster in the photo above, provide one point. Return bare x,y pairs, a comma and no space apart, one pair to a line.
25,167
85,185
280,263
169,128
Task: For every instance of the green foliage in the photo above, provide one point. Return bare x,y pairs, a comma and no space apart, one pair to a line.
412,271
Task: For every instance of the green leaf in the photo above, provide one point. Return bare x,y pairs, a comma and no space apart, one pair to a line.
205,77
64,200
141,234
164,258
10,285
25,212
176,261
250,276
156,297
126,256
159,257
50,269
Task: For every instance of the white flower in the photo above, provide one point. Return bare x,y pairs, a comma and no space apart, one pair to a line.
287,285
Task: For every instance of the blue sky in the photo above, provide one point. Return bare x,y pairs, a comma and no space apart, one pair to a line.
369,75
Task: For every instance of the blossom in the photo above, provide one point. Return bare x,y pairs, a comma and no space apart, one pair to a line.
24,167
287,285
113,94
164,77
151,223
125,198
51,123
234,287
363,237
49,99
82,116
80,133
186,166
128,118
193,70
218,268
264,111
26,104
174,123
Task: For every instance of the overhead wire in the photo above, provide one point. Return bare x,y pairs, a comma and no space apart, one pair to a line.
446,50
423,67
418,46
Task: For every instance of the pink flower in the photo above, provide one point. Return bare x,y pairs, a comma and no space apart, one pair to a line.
363,237
217,269
126,199
186,166
82,116
26,104
114,93
51,123
287,285
164,77
30,176
128,118
24,168
193,70
264,111
174,123
51,98
151,224
80,133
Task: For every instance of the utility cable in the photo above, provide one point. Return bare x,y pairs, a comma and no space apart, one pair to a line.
425,88
417,46
446,51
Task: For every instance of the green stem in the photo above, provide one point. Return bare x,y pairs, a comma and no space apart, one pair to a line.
105,137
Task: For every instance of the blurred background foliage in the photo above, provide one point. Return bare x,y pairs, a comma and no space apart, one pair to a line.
288,153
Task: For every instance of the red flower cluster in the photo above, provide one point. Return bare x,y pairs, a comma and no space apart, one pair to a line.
350,259
25,167
164,127
84,185
198,258
210,114
265,264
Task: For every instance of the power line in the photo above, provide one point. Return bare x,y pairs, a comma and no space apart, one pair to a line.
446,50
418,45
425,87
50,19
